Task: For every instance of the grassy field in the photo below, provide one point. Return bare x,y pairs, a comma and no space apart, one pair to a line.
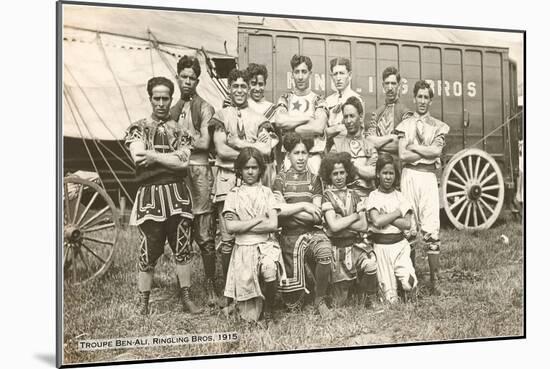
481,279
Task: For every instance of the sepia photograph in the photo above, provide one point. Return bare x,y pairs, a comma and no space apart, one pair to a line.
238,183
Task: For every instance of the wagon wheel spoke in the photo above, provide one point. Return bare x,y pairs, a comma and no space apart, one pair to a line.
489,197
93,234
99,227
474,208
468,213
461,209
486,205
458,202
456,184
482,213
97,215
484,170
458,175
66,203
457,193
488,178
476,170
83,258
470,167
77,203
65,254
74,265
85,212
473,189
103,242
93,253
489,188
464,170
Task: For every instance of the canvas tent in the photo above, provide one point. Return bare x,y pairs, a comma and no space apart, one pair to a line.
110,53
108,56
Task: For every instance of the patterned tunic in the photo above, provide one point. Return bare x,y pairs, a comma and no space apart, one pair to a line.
292,187
298,239
163,192
347,244
363,153
192,114
384,119
293,104
243,123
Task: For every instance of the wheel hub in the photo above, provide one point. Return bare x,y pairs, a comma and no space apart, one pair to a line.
474,192
72,233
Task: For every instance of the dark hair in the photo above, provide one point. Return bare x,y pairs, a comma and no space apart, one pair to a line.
355,102
235,74
423,84
299,59
158,81
291,139
333,158
189,62
254,70
389,71
244,156
340,61
383,159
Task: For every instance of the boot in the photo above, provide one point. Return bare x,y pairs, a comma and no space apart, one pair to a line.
413,256
212,298
270,291
187,303
143,305
209,262
322,309
226,259
433,263
410,296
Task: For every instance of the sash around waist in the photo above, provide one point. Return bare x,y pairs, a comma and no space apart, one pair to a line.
386,238
421,167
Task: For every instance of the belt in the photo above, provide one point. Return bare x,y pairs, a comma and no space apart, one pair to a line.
421,167
345,242
386,238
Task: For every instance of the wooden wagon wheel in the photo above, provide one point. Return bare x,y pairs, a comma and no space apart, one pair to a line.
473,189
91,227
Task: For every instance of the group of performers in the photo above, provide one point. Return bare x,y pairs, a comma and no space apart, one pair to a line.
312,201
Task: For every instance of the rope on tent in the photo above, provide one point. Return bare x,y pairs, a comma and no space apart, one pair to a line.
142,39
155,44
102,48
94,140
116,156
101,120
82,137
211,70
151,54
507,121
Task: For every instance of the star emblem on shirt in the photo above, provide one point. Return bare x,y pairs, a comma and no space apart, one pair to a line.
296,105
